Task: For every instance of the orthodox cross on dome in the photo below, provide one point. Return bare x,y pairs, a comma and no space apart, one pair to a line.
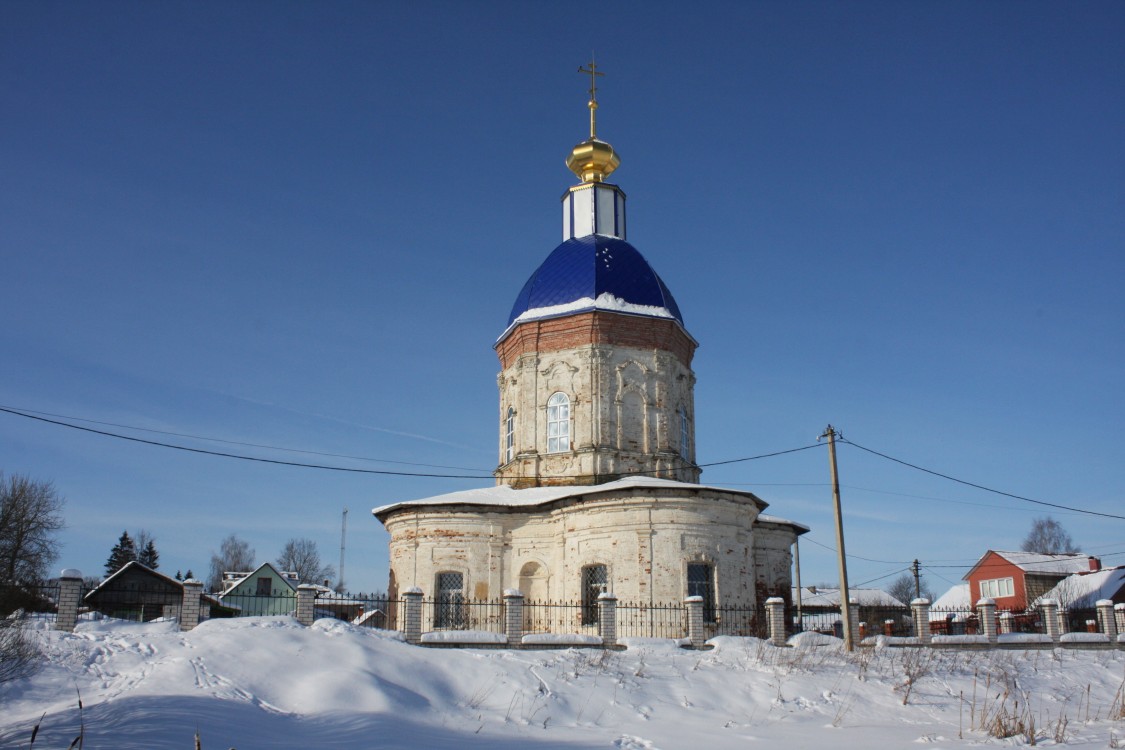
593,72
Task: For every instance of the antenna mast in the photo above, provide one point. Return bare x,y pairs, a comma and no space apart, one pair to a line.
343,543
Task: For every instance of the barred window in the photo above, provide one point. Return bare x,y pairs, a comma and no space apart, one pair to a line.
449,608
701,582
595,580
558,423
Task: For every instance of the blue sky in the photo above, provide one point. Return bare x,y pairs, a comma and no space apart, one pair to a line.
303,225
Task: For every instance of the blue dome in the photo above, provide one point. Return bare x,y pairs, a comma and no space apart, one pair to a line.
594,272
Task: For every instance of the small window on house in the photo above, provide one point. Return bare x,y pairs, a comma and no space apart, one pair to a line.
701,582
996,588
558,423
265,587
595,580
449,608
510,435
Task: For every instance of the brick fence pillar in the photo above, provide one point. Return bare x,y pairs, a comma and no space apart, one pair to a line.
412,604
1005,621
1106,622
306,610
1050,609
607,618
513,616
775,615
1119,615
70,594
695,632
853,619
986,608
1064,620
189,607
921,609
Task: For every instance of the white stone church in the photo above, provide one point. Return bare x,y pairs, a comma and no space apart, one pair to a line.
597,488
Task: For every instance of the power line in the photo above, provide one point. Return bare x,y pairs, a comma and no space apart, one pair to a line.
26,412
484,474
857,557
981,486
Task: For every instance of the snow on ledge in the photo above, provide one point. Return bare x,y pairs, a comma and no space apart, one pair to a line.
1084,638
561,639
1023,638
463,636
960,639
604,301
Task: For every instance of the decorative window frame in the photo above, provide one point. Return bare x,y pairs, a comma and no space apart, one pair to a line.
510,435
558,422
685,434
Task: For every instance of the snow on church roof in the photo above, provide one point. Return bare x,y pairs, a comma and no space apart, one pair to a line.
595,272
503,496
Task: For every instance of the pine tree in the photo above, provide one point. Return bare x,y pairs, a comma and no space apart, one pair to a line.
149,557
180,576
123,553
189,575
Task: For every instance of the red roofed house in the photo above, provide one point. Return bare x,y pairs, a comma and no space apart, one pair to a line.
1015,579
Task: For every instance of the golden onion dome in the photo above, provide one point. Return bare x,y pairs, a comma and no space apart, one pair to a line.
592,160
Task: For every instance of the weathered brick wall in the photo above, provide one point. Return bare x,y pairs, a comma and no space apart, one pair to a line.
645,538
627,378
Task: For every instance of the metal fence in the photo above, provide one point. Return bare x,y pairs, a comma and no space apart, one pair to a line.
32,600
456,613
736,621
555,617
652,620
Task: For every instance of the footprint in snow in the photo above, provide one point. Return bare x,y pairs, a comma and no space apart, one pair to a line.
629,742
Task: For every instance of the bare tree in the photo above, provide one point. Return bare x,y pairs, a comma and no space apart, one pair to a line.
903,589
234,554
302,557
30,514
1048,537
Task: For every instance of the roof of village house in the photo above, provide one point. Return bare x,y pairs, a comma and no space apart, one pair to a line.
289,578
133,565
816,596
504,496
958,597
1038,562
1083,590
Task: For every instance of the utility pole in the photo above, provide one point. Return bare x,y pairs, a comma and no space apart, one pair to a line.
845,597
917,580
797,565
343,540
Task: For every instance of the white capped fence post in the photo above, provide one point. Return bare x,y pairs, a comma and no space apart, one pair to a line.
921,608
306,610
70,594
775,615
1106,622
853,618
607,618
513,616
1050,609
695,632
1005,620
189,606
986,608
412,604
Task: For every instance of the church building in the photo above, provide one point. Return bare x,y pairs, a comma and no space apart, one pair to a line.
597,487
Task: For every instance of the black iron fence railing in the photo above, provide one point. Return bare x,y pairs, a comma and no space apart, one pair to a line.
455,613
555,617
666,620
32,600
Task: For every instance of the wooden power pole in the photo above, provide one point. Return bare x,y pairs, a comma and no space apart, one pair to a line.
845,597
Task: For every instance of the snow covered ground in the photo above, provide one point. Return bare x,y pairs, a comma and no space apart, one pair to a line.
270,683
